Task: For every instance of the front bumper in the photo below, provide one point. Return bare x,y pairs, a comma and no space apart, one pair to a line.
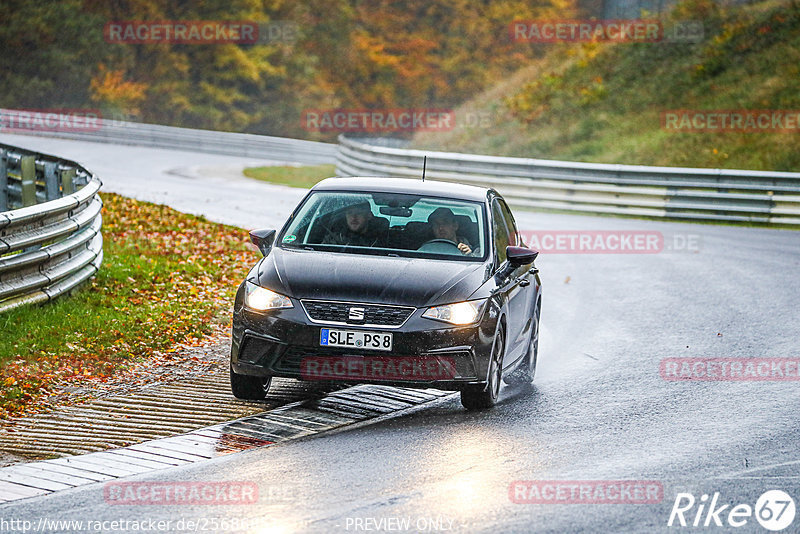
283,342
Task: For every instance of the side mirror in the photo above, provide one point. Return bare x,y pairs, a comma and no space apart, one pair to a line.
518,256
263,240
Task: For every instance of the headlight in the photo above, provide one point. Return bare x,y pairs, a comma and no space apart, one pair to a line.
262,299
458,313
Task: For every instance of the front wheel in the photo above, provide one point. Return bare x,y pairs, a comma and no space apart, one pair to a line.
247,387
480,397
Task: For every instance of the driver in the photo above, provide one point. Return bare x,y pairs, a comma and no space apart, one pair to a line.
445,226
359,229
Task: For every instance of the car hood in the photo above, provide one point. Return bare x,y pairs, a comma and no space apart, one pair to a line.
361,278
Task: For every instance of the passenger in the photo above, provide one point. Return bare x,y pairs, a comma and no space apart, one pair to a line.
360,229
445,226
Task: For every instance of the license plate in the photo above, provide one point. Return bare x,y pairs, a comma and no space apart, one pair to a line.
355,339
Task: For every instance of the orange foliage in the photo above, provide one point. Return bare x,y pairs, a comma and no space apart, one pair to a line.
109,88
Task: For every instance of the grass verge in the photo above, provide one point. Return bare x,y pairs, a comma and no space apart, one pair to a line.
305,176
166,278
603,102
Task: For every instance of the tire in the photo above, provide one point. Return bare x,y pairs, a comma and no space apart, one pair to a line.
485,396
247,387
524,374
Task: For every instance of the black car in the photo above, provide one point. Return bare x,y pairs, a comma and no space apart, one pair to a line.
390,281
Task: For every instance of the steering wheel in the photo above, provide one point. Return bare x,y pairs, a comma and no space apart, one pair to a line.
442,246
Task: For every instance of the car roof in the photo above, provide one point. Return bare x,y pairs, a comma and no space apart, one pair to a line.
378,184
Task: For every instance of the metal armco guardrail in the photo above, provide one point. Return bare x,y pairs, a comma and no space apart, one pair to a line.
50,221
210,141
668,192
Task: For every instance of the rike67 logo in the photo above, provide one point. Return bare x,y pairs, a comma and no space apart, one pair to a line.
774,510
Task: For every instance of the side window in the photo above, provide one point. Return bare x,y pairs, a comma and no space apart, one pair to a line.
513,236
499,233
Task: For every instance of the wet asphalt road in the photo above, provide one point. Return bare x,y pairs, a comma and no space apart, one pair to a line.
599,410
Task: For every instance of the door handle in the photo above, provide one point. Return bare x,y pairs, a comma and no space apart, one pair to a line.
524,282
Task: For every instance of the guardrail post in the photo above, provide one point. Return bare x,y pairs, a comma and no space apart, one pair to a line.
51,190
81,179
3,181
27,167
67,181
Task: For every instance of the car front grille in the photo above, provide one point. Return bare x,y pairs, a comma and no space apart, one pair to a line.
354,313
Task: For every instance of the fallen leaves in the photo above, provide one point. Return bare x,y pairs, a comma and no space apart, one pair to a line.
165,279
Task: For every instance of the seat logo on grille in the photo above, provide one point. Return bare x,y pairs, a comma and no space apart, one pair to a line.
356,314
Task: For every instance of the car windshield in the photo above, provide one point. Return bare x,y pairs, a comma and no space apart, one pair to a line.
388,224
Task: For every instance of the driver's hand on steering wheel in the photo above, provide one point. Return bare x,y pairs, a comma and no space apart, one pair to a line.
464,248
